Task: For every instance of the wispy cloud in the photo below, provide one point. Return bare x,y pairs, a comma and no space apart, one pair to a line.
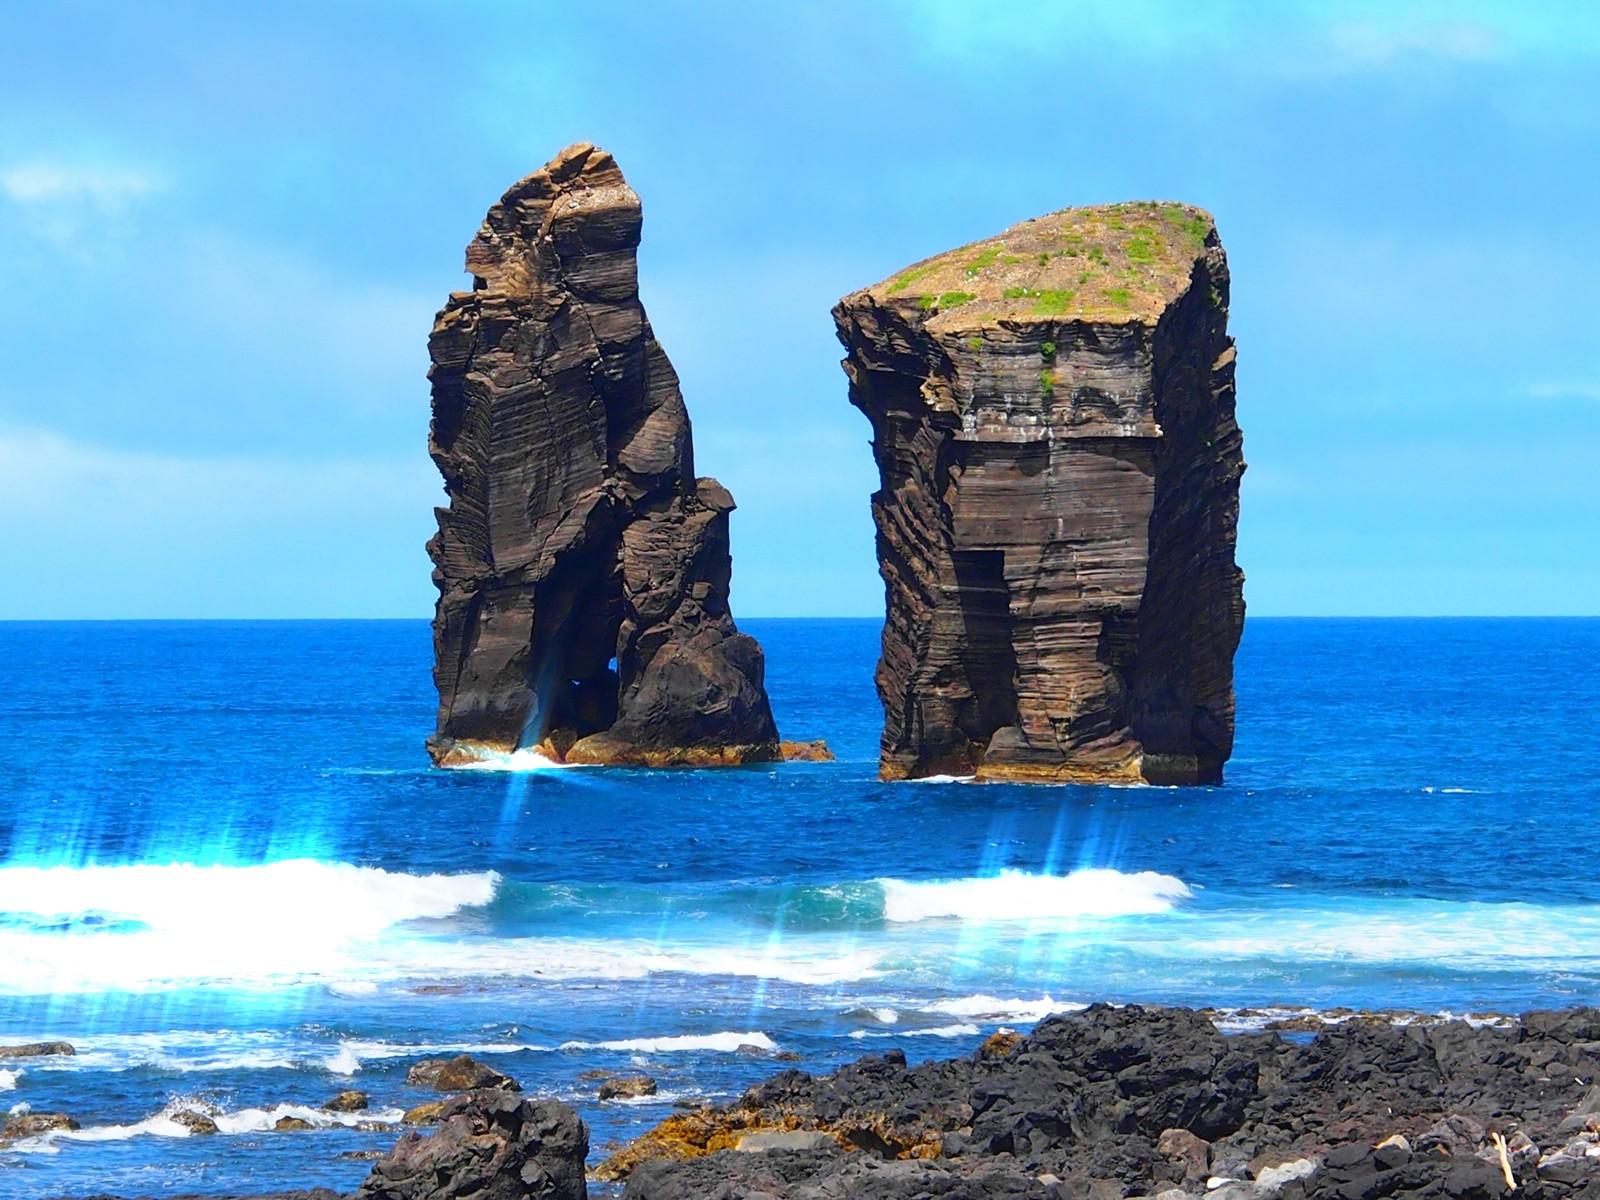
108,186
1378,44
1564,389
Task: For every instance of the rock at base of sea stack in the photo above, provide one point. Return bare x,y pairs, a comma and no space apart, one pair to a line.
582,568
1053,421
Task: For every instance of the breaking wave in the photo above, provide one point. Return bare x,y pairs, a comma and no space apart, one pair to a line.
1021,896
726,1043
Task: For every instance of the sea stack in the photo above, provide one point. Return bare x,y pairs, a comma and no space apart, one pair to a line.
582,567
1052,412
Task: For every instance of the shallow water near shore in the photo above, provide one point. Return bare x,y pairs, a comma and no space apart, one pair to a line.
228,875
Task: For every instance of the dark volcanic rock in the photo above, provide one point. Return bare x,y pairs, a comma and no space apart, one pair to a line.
1113,1103
37,1050
462,1073
1053,419
627,1087
582,567
491,1145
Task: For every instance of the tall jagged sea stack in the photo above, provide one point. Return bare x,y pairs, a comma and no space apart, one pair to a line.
582,568
1053,421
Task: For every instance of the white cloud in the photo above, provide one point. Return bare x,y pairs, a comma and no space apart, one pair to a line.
1375,44
105,186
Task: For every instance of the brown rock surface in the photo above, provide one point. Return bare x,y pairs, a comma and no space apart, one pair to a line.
1053,421
462,1073
582,567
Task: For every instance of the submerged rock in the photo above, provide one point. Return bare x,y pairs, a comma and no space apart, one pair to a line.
349,1101
196,1122
462,1073
1053,420
490,1145
626,1087
37,1050
21,1125
582,567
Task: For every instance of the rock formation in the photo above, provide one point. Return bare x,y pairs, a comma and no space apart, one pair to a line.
1145,1102
582,568
490,1145
1053,420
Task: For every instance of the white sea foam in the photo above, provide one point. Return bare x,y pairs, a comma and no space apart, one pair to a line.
995,1008
942,1031
526,759
725,1042
8,1080
295,917
1021,896
245,1120
352,1054
943,779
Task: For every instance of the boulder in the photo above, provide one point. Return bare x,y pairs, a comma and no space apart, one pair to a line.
459,1074
195,1122
1052,414
348,1101
292,1125
37,1050
625,1087
490,1145
31,1124
583,569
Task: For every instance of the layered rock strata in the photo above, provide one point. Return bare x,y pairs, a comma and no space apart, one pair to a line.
1053,421
582,567
1137,1102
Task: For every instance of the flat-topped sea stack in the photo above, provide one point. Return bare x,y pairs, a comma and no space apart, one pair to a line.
582,567
1053,420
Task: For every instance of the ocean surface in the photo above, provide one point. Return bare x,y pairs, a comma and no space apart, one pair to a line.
230,878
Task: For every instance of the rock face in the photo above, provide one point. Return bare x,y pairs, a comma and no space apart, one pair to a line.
490,1145
1053,420
1137,1102
582,567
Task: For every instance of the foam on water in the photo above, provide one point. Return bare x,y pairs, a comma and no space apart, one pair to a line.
1024,896
725,1043
994,1008
246,1120
8,1080
942,1031
526,759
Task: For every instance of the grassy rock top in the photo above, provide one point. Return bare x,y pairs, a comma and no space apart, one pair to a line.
1113,263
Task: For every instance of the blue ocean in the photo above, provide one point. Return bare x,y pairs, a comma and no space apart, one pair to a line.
230,878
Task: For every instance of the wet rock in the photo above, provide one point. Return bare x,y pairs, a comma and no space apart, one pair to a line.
348,1102
812,751
31,1124
490,1145
625,1087
292,1125
195,1122
424,1114
583,569
1052,416
462,1073
37,1050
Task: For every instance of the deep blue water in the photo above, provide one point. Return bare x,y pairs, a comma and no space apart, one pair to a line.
228,875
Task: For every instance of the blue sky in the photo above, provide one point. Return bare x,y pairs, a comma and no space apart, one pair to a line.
225,233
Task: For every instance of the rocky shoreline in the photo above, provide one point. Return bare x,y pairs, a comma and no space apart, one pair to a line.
1104,1104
